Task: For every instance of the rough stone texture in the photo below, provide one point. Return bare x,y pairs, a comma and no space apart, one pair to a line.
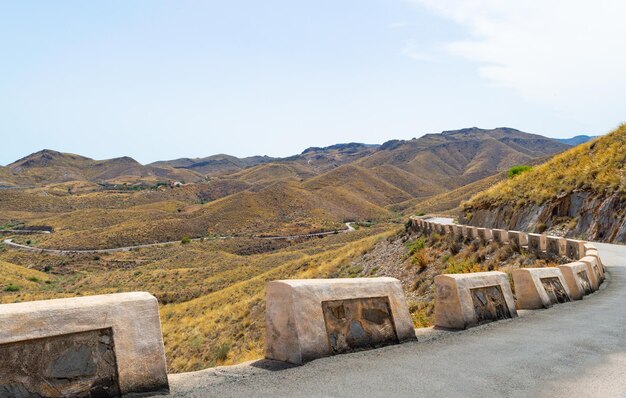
577,279
599,217
133,318
518,239
457,231
595,253
574,249
484,234
593,270
537,242
296,328
472,232
539,287
74,365
465,300
358,323
500,235
555,245
465,231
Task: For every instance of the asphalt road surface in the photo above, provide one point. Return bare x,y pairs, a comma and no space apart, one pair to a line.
571,350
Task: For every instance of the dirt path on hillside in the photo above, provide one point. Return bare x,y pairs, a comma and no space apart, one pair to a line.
10,243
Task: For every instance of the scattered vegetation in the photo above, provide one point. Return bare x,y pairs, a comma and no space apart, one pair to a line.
517,170
598,166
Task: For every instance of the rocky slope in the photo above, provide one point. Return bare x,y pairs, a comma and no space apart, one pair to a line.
580,193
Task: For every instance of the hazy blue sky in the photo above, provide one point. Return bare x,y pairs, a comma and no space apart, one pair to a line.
161,80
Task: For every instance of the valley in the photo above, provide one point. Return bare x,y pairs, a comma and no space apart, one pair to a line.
205,235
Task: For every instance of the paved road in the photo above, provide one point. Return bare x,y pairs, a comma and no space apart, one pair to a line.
10,243
571,350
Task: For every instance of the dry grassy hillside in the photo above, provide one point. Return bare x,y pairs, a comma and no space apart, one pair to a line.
46,167
581,192
211,292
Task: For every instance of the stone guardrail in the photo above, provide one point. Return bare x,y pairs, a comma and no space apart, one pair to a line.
105,346
312,318
469,299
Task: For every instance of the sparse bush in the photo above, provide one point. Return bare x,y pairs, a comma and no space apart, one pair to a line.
185,240
420,213
221,354
541,228
33,279
12,288
517,170
47,268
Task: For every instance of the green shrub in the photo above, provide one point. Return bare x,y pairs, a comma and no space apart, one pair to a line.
222,352
516,170
33,279
185,240
12,288
418,244
420,213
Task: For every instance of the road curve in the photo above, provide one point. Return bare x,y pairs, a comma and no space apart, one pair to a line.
10,243
574,349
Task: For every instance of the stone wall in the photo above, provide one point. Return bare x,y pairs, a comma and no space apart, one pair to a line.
312,318
458,304
89,346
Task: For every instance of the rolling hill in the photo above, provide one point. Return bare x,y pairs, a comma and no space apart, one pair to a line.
579,193
48,167
319,189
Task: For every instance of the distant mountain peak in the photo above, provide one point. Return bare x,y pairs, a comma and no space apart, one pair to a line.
340,147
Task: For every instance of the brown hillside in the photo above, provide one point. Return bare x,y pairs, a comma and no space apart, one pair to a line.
579,193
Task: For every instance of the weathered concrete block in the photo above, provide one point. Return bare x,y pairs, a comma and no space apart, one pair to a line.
484,234
472,232
518,238
593,269
574,249
457,231
500,235
555,245
465,232
577,277
539,287
537,242
71,355
465,300
312,318
595,253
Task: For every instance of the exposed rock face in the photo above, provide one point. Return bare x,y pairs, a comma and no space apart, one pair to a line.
580,214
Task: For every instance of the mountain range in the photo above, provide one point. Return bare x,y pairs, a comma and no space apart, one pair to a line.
321,188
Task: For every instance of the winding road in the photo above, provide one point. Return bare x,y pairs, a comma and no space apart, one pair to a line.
575,349
10,243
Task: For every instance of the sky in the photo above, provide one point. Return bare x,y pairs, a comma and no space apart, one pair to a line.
159,80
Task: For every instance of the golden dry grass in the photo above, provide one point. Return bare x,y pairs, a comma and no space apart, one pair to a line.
599,166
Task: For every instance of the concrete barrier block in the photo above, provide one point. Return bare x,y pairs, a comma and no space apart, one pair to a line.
465,300
518,238
472,232
539,287
555,245
595,253
537,242
484,234
456,230
313,318
500,235
574,249
577,277
87,346
593,268
465,232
